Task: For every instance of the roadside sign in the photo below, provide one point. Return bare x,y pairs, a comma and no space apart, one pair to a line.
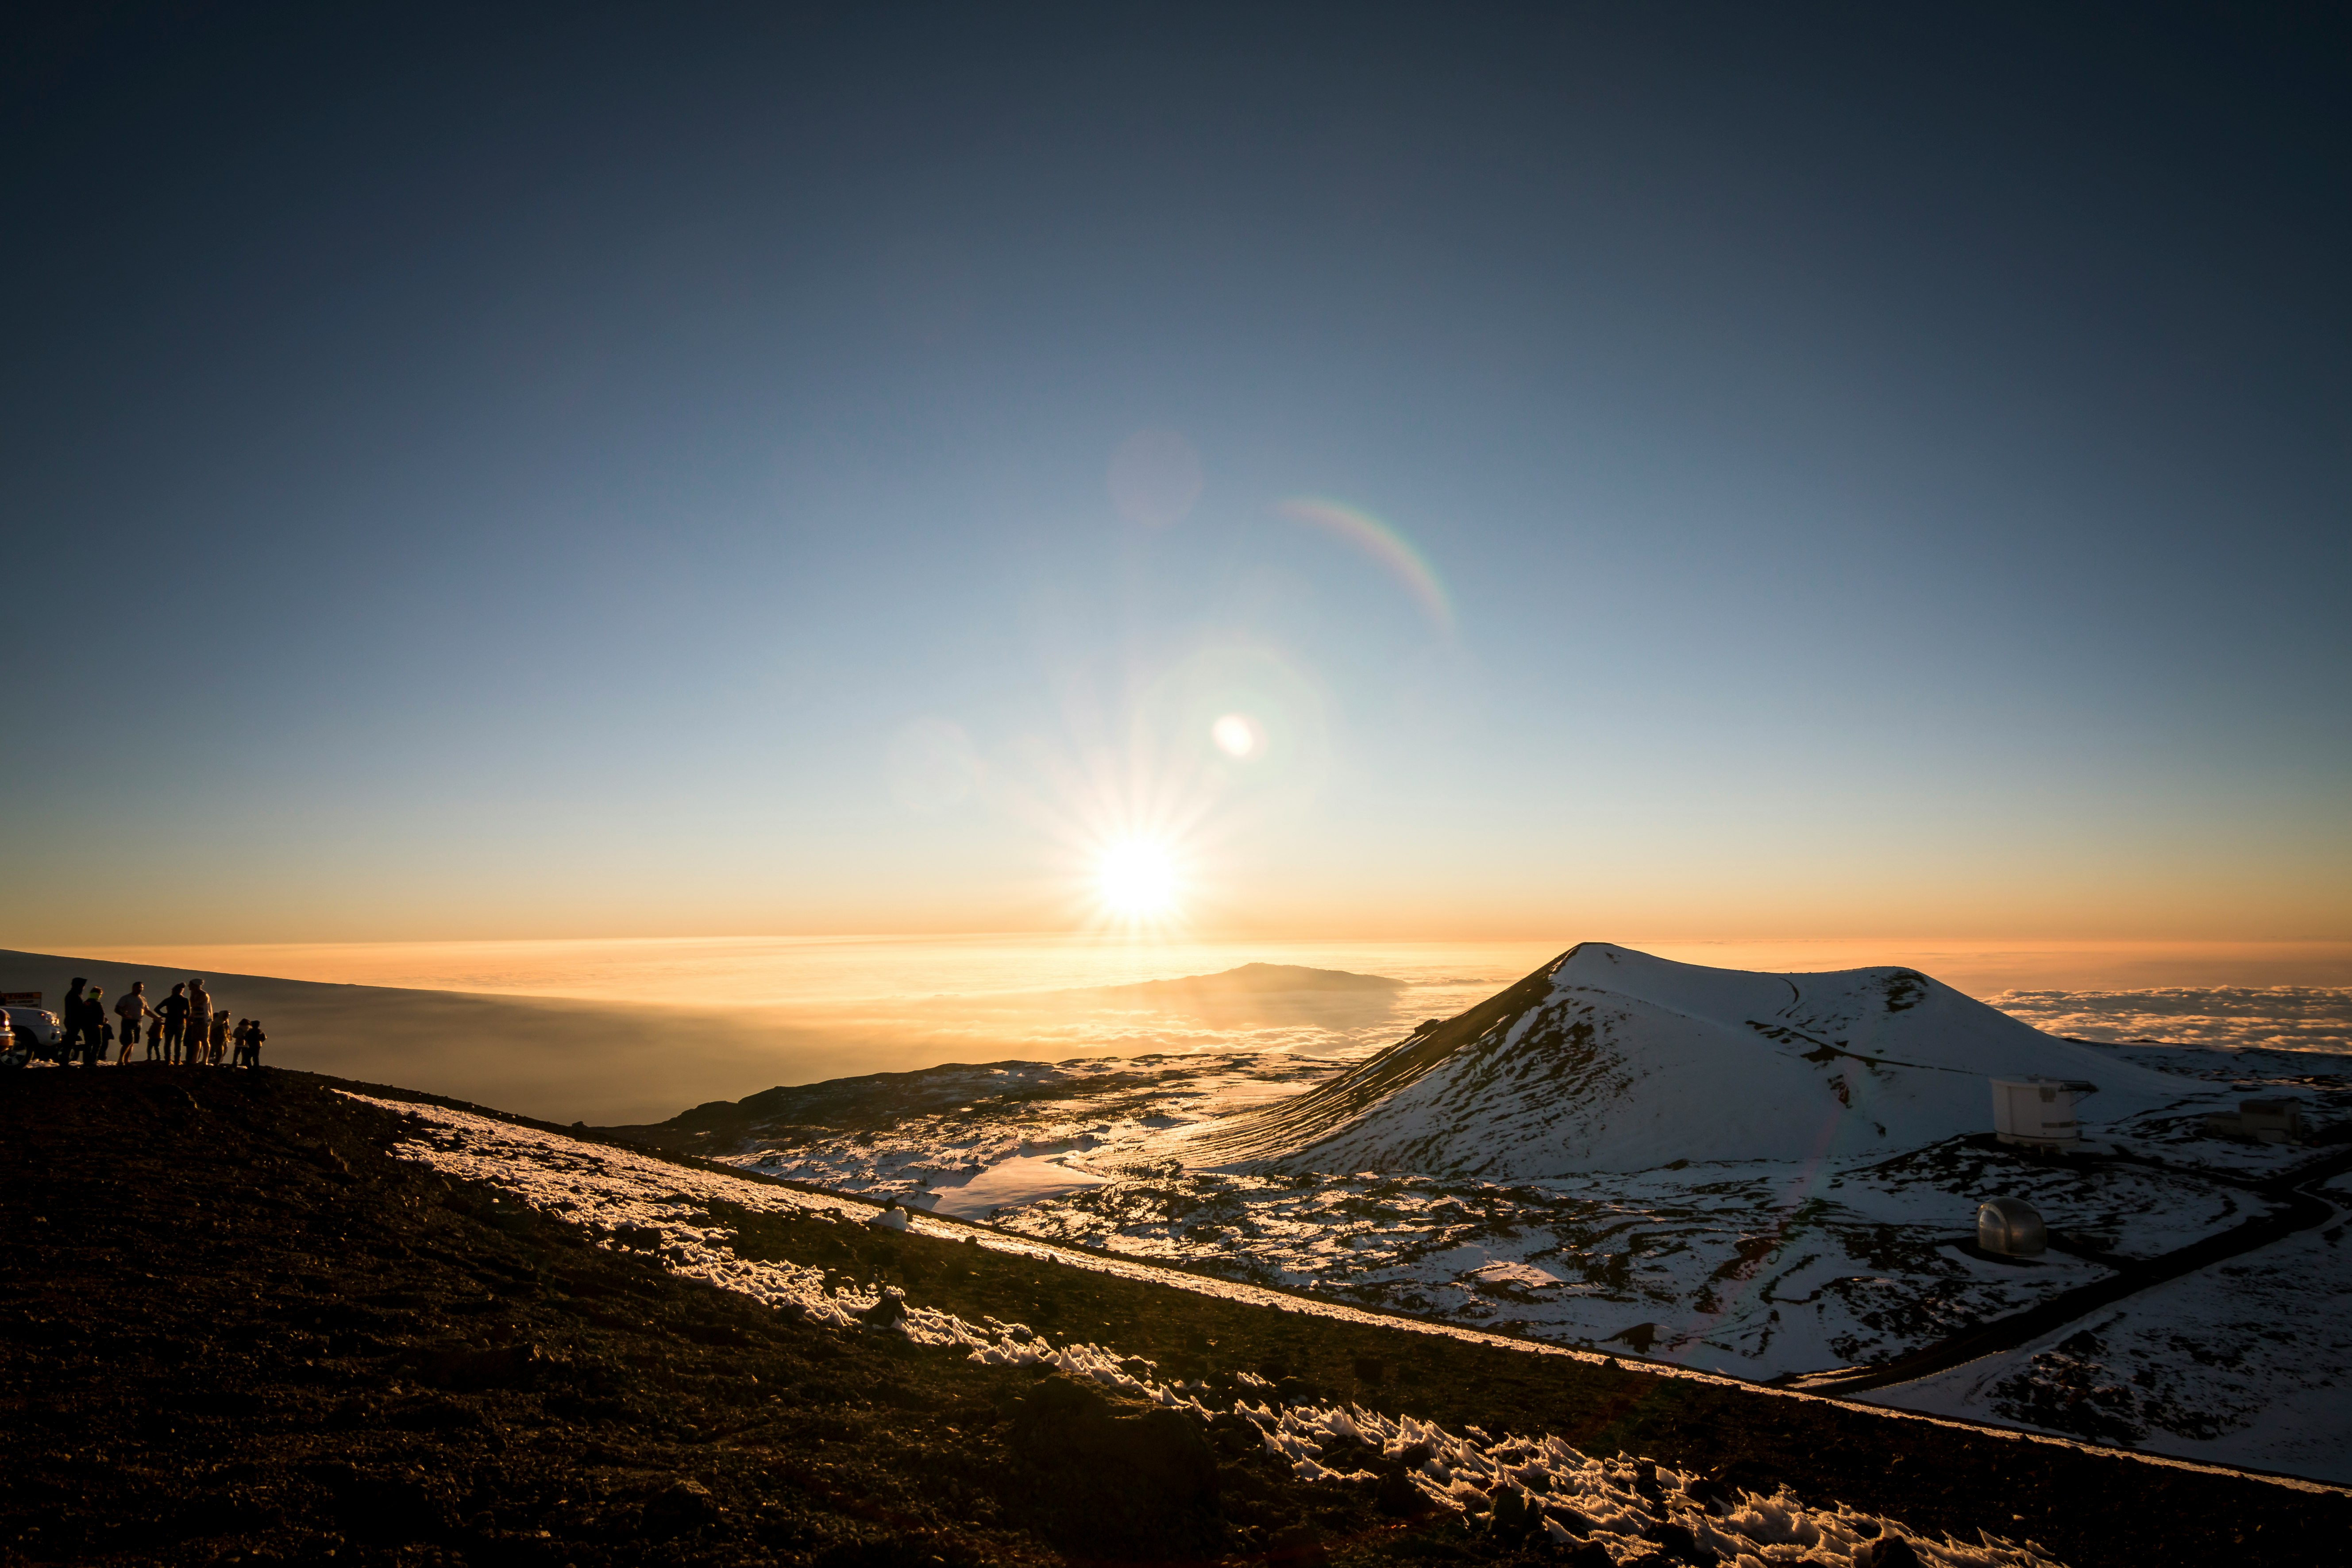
20,998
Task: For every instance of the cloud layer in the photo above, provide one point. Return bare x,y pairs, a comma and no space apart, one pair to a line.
2230,1017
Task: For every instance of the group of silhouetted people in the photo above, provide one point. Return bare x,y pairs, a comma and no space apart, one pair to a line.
183,1030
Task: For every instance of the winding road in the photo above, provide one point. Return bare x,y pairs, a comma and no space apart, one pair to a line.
2301,1207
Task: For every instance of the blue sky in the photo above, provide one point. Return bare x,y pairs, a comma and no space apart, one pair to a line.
533,477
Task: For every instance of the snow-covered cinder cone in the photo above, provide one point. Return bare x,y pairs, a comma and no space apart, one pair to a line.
1610,1059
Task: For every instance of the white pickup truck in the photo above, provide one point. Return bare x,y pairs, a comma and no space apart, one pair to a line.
38,1030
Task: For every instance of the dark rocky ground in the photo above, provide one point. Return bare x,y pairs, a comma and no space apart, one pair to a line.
233,1329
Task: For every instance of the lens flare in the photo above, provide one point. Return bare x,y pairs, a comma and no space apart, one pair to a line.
1384,544
1137,879
1236,736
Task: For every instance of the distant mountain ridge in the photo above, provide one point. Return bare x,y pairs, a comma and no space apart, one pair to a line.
873,1100
1251,979
881,1099
1607,1058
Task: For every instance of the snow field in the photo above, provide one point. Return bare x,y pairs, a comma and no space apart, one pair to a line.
2248,1362
1751,1269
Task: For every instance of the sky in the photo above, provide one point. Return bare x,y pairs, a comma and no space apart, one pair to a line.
1416,472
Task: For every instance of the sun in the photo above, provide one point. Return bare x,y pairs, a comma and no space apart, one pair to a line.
1137,879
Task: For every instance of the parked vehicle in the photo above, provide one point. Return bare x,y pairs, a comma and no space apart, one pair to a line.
37,1030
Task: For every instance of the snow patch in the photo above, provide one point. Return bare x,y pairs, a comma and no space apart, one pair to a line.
1021,1179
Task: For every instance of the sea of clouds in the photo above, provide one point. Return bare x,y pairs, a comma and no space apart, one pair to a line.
2228,1017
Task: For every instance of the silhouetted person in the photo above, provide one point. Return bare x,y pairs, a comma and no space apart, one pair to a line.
200,1020
218,1039
71,1015
132,1012
174,1011
249,1043
95,1032
156,1036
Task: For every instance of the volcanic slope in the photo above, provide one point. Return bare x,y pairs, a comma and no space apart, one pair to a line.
1611,1060
267,1318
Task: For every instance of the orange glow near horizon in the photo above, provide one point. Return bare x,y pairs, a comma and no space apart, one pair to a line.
810,970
